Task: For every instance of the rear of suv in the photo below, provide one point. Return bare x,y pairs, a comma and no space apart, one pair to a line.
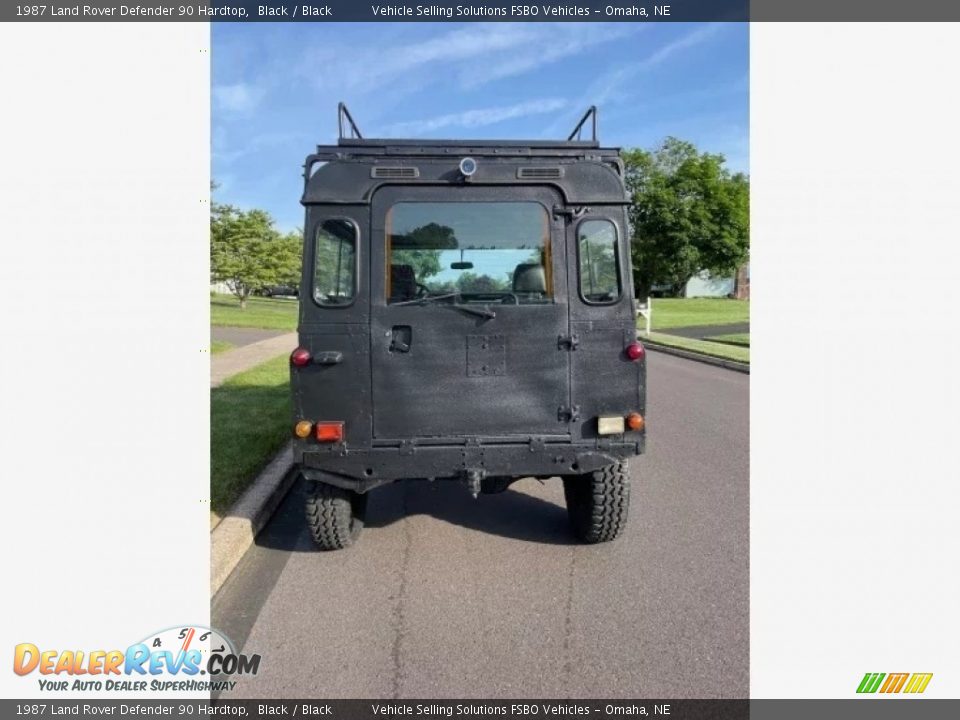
466,313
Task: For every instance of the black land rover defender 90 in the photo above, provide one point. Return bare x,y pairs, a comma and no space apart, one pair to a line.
467,313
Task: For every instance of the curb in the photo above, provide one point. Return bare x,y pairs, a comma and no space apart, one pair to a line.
234,534
698,357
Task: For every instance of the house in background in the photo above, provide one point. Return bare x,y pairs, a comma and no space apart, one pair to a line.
703,285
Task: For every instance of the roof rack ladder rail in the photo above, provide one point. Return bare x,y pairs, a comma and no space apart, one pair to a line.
590,113
344,114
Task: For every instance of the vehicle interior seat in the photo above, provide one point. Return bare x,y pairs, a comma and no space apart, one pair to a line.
529,279
403,283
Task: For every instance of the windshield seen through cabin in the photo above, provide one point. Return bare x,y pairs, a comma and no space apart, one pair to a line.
471,250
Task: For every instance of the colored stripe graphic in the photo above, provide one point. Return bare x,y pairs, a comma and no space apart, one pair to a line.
870,682
894,682
918,682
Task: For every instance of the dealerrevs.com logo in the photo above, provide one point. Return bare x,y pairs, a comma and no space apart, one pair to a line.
911,683
185,658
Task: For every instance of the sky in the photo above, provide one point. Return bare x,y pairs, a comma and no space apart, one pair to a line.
275,89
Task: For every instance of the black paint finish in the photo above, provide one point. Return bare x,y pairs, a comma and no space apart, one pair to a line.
439,391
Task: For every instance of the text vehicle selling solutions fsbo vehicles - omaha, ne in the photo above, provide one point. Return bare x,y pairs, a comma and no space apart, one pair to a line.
466,313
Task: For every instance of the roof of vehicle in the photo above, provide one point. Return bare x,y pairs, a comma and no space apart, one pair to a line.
353,169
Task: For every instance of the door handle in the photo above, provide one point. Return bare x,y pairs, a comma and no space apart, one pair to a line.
401,337
328,357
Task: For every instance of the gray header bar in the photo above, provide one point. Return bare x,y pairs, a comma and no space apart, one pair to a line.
873,708
481,11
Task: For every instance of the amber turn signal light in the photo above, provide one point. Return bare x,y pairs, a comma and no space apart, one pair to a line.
330,431
303,429
635,421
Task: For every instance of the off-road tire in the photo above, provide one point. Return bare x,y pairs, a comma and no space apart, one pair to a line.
598,503
335,516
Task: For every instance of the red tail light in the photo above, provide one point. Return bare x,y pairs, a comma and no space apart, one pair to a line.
300,357
330,431
635,351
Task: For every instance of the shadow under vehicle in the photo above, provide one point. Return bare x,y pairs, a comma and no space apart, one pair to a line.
467,313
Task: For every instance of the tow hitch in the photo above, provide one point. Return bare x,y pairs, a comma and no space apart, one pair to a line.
474,480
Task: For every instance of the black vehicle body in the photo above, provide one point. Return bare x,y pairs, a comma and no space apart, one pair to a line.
485,387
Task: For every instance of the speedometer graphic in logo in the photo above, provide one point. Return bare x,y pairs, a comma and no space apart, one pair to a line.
196,645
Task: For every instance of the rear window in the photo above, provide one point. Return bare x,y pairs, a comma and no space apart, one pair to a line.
599,261
335,263
471,250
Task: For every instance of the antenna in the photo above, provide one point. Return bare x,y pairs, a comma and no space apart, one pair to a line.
344,114
591,113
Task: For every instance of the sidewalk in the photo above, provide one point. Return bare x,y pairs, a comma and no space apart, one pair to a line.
235,361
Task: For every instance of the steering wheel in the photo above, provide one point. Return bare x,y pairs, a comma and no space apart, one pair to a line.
422,290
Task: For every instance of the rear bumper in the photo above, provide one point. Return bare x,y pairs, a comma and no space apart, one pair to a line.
362,469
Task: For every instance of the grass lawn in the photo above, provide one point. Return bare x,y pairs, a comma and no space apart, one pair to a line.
269,313
728,352
685,312
219,346
250,420
732,339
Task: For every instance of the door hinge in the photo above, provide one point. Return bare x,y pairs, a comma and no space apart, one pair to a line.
569,213
568,342
568,414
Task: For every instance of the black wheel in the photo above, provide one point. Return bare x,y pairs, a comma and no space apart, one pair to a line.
598,503
334,515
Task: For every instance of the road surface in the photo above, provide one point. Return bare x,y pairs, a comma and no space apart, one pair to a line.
447,597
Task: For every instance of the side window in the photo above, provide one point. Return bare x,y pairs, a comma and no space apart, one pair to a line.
599,261
335,263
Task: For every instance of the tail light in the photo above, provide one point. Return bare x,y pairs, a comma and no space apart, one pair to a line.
303,429
300,357
635,351
330,431
635,421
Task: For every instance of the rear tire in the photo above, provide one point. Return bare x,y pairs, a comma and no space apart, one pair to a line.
335,516
598,503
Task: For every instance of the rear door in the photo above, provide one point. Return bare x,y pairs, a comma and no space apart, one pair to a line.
468,313
602,318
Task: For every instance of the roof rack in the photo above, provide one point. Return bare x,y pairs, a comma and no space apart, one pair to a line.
590,113
344,114
345,120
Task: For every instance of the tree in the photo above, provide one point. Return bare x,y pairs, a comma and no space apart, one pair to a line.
247,252
425,263
470,282
290,258
421,247
688,214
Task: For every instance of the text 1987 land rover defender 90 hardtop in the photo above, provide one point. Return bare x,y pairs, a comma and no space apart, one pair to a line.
466,313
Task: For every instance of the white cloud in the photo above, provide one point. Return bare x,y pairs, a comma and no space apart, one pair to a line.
477,117
612,85
546,45
477,54
239,97
227,147
613,82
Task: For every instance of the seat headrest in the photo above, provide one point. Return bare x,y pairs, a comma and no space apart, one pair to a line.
529,278
403,282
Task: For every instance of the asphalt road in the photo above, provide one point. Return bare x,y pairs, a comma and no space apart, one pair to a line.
446,597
